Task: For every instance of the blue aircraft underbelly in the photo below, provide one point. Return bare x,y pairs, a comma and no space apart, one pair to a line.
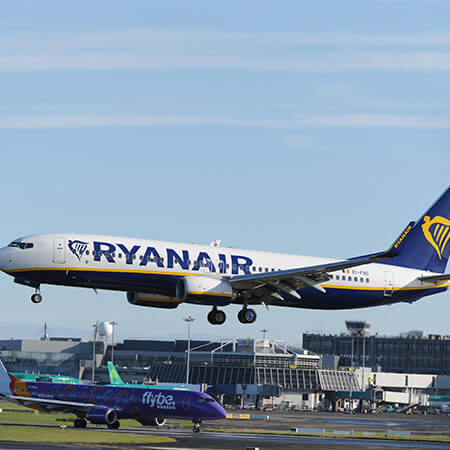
164,284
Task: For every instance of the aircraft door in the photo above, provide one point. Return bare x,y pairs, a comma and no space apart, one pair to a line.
186,403
388,283
59,250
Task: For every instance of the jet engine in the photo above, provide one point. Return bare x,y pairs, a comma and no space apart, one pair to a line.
153,300
152,421
103,416
204,290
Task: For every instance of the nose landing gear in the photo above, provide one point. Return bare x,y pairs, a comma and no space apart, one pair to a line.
216,316
36,297
196,426
246,315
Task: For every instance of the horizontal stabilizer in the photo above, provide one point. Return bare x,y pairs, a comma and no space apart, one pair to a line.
436,278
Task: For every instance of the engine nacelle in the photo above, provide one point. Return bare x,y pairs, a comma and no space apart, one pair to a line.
103,416
152,421
204,290
152,300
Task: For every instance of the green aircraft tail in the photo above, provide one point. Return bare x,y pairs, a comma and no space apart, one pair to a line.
114,377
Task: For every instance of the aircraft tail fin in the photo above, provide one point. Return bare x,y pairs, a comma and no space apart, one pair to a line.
6,380
114,377
425,245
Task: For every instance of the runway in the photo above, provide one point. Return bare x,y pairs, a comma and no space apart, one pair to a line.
186,440
280,421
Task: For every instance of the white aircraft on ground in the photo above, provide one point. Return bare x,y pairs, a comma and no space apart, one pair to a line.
166,274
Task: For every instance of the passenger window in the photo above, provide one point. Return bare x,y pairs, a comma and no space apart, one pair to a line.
355,279
267,269
87,252
337,277
361,280
367,280
331,277
343,277
260,269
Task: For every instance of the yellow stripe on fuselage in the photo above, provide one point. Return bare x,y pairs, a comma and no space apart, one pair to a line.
160,300
210,293
384,288
91,269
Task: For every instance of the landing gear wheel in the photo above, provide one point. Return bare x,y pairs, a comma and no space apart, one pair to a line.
216,317
36,298
247,315
114,426
80,423
196,427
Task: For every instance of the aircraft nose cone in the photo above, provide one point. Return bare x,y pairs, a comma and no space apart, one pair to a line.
3,257
220,411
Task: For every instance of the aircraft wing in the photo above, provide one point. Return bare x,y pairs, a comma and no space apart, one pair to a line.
291,280
53,405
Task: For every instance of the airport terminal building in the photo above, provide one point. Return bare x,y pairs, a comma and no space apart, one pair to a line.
412,352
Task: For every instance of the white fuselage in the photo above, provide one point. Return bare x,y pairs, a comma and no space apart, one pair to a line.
152,267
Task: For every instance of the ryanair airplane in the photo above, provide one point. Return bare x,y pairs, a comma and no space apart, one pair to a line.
165,274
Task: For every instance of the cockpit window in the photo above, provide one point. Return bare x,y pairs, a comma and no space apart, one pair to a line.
22,245
206,400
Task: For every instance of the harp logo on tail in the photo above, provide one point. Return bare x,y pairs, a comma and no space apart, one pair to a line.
77,248
437,232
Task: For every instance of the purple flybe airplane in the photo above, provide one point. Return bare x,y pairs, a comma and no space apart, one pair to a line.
106,405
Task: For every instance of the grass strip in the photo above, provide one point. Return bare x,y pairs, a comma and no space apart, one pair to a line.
390,437
72,436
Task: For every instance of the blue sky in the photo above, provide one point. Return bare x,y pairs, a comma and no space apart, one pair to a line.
318,128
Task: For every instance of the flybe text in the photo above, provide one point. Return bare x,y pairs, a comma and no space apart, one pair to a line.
170,258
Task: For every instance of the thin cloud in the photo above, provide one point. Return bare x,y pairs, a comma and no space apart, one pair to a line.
143,37
312,121
148,48
379,61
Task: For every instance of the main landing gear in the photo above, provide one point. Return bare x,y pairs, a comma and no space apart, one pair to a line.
216,316
246,315
36,297
80,423
114,426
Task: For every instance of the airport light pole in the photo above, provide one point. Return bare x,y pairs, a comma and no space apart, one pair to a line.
93,350
112,340
351,377
264,331
188,320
